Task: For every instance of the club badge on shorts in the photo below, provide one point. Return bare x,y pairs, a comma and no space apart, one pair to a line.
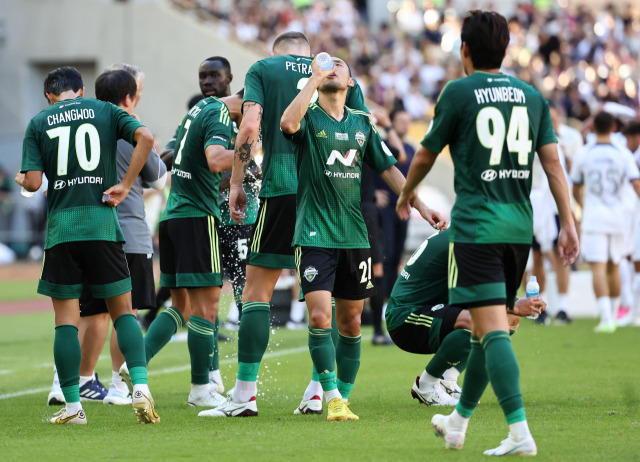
310,273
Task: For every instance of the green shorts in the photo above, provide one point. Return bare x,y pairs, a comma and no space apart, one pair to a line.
100,264
273,233
190,253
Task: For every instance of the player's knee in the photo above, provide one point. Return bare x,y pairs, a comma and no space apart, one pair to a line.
350,327
320,319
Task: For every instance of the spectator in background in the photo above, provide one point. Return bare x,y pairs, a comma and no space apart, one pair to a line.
393,228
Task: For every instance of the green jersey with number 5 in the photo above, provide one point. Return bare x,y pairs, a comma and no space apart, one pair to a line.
74,142
273,83
492,123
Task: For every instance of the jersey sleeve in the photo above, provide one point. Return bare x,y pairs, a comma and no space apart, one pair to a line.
298,137
444,122
546,134
31,154
218,128
126,125
377,155
355,99
153,168
253,90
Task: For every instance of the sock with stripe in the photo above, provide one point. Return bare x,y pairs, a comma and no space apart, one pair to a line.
237,297
253,338
504,374
334,338
475,380
67,355
323,355
131,345
200,343
161,330
452,352
348,363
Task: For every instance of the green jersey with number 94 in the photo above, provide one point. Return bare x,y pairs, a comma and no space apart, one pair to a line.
273,83
74,142
493,123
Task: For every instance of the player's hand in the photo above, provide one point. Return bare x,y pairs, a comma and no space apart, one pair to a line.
403,206
316,71
529,306
20,178
568,244
237,204
116,194
435,218
381,116
514,321
382,198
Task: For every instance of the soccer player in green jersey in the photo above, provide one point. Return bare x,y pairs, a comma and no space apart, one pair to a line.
492,143
333,258
192,216
421,322
270,85
73,142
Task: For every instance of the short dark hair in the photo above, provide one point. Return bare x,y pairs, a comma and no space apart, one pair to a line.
632,128
603,123
114,86
486,33
240,93
221,59
195,99
62,79
290,36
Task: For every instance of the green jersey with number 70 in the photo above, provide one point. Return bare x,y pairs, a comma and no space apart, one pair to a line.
273,83
492,123
74,142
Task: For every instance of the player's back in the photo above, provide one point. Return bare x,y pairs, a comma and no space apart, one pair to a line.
604,170
493,123
76,140
194,187
273,83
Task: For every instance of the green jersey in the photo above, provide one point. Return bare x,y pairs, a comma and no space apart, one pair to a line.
492,123
194,188
329,157
422,282
74,142
273,83
251,212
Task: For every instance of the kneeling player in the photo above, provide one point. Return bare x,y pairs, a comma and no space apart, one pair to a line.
419,321
332,250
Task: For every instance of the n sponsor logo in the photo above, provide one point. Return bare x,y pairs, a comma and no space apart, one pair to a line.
342,137
59,184
347,159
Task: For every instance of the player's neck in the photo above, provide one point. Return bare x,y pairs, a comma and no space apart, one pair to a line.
69,94
603,139
333,103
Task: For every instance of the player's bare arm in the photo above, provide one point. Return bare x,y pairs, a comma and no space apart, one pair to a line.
245,148
396,181
219,159
419,168
568,238
294,113
143,141
30,180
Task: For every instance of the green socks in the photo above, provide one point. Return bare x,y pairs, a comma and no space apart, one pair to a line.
475,380
132,347
453,352
504,373
237,297
214,359
253,338
348,361
323,355
67,354
160,331
334,337
200,343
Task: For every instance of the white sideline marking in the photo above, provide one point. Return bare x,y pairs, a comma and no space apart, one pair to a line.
169,370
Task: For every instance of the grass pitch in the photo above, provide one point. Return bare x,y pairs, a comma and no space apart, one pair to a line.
581,394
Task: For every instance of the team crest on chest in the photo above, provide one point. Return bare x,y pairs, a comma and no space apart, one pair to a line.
360,138
310,273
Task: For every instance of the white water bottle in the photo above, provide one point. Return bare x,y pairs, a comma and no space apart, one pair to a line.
533,290
325,61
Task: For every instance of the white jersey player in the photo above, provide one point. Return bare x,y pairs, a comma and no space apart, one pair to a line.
603,168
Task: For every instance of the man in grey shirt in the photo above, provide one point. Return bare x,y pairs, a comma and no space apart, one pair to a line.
120,86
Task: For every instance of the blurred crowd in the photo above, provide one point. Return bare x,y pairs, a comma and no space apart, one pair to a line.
577,55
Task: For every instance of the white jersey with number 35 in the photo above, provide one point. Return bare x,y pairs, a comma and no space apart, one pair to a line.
603,169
